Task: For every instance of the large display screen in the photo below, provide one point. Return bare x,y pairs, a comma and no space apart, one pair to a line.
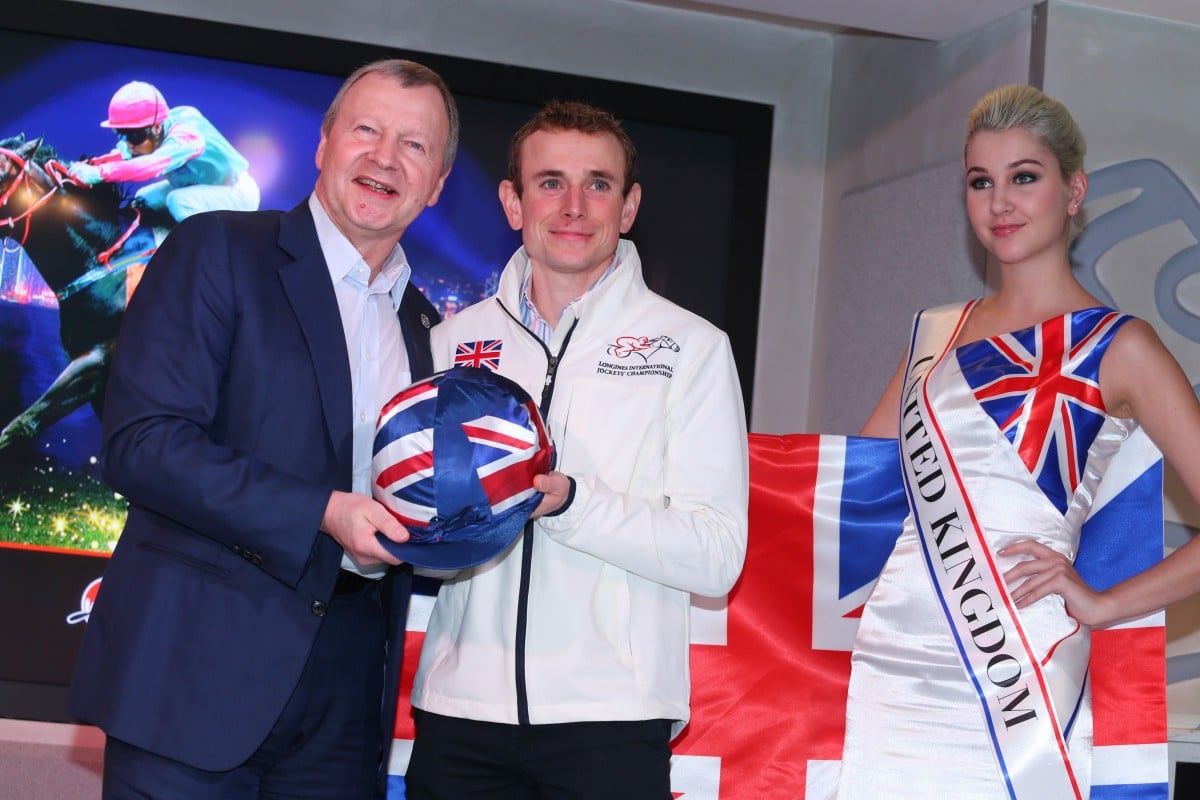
71,254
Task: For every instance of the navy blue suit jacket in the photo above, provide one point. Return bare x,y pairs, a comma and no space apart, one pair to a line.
227,423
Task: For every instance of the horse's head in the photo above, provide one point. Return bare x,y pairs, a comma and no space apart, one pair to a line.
22,162
33,180
667,343
16,145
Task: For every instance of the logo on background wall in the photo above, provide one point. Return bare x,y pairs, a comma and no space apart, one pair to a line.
1159,205
86,601
647,349
484,353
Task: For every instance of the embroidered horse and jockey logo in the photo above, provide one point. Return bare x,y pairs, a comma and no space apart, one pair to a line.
647,349
642,346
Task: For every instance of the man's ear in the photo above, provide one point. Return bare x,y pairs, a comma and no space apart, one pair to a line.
510,201
437,190
629,207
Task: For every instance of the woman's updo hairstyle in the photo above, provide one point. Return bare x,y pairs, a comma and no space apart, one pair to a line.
1021,106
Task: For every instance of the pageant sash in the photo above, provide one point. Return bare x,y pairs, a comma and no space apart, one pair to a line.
1013,693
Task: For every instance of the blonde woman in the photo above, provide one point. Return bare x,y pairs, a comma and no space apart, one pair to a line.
969,670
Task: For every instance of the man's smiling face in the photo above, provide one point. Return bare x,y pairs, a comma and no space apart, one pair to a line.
381,161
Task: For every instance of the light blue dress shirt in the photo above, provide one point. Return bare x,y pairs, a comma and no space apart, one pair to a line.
378,361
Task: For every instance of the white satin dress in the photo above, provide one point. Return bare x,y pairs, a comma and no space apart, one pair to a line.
914,726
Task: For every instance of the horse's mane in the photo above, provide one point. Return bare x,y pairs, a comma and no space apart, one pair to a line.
110,193
44,153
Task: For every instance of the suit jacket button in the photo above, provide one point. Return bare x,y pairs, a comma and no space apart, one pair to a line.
255,559
318,608
237,549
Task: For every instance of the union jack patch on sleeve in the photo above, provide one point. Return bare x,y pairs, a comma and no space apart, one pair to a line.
485,353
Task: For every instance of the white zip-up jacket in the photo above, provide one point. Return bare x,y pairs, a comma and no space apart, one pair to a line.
585,616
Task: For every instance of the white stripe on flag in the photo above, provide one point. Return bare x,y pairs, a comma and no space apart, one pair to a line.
1138,454
401,752
832,629
1129,764
821,781
696,777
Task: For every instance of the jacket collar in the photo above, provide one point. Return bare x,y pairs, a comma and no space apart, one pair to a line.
606,301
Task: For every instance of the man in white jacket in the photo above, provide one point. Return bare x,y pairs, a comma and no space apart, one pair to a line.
560,667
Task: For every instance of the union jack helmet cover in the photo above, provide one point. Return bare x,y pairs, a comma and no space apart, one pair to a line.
453,460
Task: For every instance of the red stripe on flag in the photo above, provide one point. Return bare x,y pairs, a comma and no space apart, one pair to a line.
1129,676
405,728
767,703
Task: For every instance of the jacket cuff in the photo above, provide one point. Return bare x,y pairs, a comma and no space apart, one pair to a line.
567,504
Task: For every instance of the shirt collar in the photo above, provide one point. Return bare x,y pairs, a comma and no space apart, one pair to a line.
527,306
346,263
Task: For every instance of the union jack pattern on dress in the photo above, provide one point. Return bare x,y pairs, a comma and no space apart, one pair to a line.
1041,385
485,353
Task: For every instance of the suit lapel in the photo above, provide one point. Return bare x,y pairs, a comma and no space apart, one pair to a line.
417,316
309,290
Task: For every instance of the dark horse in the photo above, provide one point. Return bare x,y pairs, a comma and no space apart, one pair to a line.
88,247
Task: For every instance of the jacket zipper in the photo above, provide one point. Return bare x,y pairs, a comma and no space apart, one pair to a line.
552,362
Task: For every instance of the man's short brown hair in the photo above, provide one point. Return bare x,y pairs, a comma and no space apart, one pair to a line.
558,115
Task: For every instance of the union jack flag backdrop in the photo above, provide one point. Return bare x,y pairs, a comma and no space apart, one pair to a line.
770,666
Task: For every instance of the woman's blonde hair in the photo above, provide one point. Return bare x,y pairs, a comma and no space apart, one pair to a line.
1021,106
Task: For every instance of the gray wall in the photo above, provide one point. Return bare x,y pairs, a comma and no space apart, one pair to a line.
896,239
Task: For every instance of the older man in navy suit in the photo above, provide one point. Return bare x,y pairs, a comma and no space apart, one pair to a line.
246,640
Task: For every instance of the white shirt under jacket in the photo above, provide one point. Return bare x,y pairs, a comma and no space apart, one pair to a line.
655,439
